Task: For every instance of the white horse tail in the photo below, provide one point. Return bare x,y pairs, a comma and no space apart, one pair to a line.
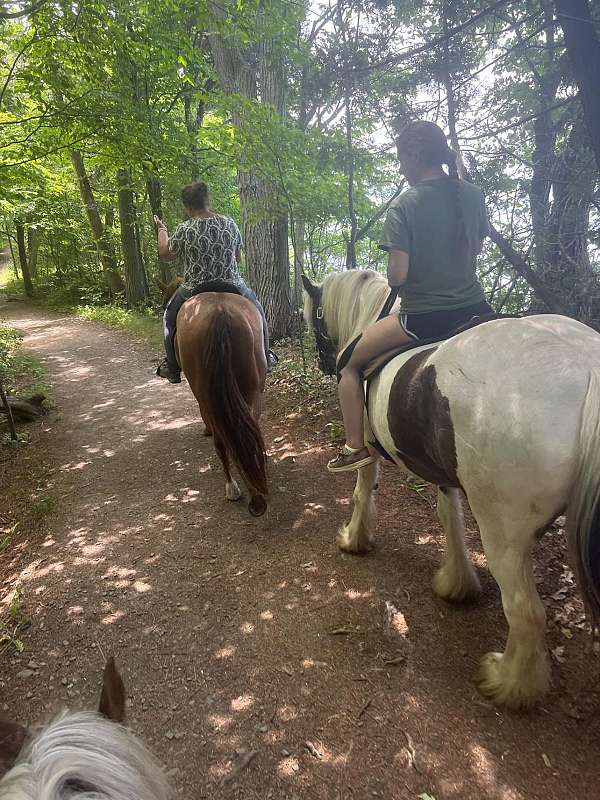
584,502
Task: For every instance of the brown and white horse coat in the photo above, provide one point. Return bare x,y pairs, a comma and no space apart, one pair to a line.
509,413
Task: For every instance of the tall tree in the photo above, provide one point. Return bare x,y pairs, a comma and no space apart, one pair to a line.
136,285
255,72
583,47
105,253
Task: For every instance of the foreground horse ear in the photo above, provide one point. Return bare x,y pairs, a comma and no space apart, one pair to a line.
12,739
112,698
311,290
162,286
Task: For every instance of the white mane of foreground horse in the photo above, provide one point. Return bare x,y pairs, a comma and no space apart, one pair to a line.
509,412
81,756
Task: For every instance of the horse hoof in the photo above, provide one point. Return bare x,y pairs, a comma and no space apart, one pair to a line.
206,431
257,506
232,491
456,587
495,681
355,544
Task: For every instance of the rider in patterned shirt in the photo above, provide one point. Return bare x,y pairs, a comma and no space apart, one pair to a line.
209,246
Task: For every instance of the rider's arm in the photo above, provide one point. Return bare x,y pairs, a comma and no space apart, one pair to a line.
397,270
163,241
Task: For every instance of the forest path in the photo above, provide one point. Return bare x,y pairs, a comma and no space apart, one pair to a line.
237,635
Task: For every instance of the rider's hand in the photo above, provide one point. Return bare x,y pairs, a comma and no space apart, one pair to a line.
160,225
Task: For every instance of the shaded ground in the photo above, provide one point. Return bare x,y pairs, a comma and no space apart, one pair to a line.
236,634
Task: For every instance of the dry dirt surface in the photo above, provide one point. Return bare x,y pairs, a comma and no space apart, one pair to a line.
255,654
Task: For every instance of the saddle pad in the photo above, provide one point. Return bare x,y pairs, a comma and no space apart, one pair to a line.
218,286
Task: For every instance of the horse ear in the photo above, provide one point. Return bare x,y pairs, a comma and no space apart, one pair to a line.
311,290
162,286
12,739
112,698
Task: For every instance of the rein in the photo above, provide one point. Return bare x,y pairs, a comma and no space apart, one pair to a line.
324,343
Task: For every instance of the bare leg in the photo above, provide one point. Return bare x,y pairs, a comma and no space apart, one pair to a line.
232,490
519,676
357,535
456,579
379,337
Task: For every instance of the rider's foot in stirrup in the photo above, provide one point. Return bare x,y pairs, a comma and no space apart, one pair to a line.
349,459
272,360
165,371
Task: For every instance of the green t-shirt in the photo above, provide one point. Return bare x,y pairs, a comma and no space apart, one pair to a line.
423,223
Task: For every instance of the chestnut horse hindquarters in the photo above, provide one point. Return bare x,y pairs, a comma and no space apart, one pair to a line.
220,346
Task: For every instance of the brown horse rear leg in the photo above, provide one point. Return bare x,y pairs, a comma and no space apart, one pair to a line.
232,490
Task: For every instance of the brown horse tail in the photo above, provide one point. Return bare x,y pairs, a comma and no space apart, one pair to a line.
231,419
583,513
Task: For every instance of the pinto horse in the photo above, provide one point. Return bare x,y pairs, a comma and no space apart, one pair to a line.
81,754
219,346
509,413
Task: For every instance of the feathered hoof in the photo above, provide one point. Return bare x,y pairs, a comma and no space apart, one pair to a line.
495,681
358,545
257,505
206,431
456,588
232,491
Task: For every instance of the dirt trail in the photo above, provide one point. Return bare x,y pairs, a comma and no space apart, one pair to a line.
222,624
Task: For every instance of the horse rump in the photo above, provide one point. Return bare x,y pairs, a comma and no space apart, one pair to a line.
583,512
228,414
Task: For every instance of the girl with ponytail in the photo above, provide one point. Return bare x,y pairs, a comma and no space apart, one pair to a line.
433,234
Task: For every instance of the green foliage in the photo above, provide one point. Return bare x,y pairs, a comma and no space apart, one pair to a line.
20,371
44,505
16,622
135,86
143,325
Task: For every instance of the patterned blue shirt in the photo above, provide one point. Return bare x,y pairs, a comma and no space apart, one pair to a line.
207,247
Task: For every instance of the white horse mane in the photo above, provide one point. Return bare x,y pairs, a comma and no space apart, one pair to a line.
83,756
351,301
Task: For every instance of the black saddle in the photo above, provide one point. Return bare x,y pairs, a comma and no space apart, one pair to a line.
218,286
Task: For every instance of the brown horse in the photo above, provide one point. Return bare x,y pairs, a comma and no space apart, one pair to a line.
219,346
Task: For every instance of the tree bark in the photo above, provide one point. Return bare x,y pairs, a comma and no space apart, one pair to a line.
154,189
136,288
27,282
33,244
583,47
250,72
105,254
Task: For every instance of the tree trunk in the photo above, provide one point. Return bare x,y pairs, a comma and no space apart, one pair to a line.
154,189
583,47
567,268
105,254
136,289
193,122
33,243
249,74
299,245
23,259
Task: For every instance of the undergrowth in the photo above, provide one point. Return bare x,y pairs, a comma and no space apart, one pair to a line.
20,371
145,324
15,623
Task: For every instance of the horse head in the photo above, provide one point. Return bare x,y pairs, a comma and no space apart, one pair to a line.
82,753
313,314
167,290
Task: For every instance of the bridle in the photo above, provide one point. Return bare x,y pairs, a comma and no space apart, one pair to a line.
326,350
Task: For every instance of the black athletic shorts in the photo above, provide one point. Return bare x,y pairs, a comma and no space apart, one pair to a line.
441,324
